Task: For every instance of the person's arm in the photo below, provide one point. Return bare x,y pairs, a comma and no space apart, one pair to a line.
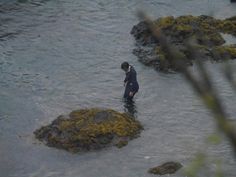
127,78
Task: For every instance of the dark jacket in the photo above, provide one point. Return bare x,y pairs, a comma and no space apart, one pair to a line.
131,81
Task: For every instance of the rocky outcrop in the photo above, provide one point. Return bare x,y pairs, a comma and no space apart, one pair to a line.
205,30
89,129
166,168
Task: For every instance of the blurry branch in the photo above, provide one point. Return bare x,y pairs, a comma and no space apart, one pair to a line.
204,87
228,72
196,165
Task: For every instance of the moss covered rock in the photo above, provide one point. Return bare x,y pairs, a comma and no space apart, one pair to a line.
166,168
225,51
204,29
89,129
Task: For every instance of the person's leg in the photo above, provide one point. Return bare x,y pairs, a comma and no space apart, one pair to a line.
130,98
127,95
130,108
129,105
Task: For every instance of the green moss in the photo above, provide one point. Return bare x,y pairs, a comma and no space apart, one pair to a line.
208,40
186,19
226,52
233,19
227,26
205,29
166,168
164,64
206,32
121,143
216,38
191,24
183,28
207,24
121,125
165,22
66,124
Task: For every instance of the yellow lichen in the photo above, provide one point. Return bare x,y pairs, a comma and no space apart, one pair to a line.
163,62
121,125
227,26
183,28
165,22
226,51
65,125
206,24
205,30
186,19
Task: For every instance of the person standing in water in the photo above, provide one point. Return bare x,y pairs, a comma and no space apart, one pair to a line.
130,82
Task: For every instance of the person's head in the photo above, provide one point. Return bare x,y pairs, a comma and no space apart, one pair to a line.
125,66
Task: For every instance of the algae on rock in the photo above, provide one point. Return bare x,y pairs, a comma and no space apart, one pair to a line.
178,31
89,129
166,168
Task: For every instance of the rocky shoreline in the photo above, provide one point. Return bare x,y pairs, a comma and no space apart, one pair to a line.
205,30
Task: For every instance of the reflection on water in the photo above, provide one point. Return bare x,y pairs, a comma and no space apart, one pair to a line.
130,108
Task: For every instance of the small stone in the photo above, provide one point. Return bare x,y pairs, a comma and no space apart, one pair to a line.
166,168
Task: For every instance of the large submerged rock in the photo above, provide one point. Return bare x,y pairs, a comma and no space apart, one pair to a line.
89,129
205,30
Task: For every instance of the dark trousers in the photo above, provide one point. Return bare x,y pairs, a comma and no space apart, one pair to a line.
126,94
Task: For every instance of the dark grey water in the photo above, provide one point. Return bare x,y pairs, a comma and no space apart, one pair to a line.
60,55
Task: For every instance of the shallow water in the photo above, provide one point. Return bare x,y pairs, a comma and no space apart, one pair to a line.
57,56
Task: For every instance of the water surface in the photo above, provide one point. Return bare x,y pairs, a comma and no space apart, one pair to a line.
57,56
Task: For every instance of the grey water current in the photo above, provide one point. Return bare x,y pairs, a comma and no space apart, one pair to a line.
61,55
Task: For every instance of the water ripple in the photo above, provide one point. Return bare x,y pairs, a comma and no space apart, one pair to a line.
56,56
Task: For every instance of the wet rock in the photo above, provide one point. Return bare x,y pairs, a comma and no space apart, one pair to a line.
22,1
205,30
89,129
226,52
102,116
121,143
147,56
231,18
141,32
166,168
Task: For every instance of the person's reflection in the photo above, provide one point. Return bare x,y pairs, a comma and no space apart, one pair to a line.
130,108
